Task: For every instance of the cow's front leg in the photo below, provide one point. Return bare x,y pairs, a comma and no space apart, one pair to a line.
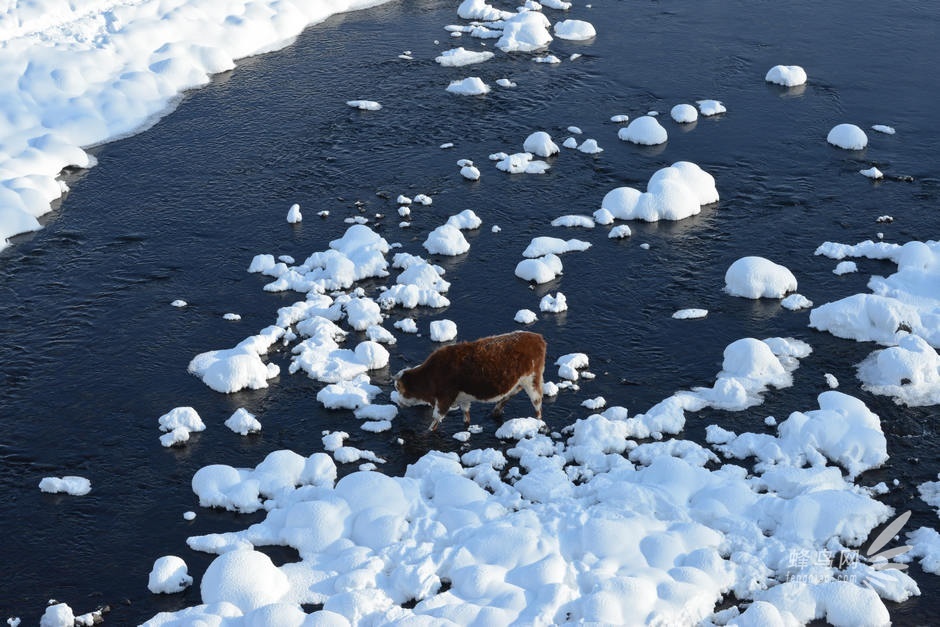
441,407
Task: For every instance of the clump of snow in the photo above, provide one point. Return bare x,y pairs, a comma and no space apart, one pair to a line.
468,170
543,245
524,32
470,86
519,428
757,277
590,147
525,316
645,130
882,128
568,365
459,57
179,303
245,578
539,270
848,137
786,75
505,82
795,302
407,325
70,484
845,267
293,214
554,304
364,105
446,240
540,144
179,423
684,113
243,422
831,381
348,394
619,118
465,220
690,314
169,575
443,330
672,193
480,10
620,232
909,372
711,107
57,615
234,317
574,221
872,173
241,367
926,546
522,163
575,30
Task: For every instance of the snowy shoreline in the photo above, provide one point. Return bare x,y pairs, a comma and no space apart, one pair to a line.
76,76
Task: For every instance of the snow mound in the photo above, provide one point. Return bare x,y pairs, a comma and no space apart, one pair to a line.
757,277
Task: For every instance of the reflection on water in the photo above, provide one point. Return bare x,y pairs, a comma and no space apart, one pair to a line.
96,354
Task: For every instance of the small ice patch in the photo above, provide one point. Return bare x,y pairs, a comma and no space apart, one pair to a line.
554,304
872,173
470,86
690,314
575,30
293,214
881,128
525,316
645,130
684,113
169,575
845,267
179,423
243,422
847,137
364,105
70,484
786,75
756,277
711,107
443,330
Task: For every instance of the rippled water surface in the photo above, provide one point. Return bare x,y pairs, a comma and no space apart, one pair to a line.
93,354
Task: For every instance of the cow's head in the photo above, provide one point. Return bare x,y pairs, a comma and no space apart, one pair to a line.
404,395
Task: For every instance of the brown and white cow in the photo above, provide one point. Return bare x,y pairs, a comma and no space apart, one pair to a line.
491,369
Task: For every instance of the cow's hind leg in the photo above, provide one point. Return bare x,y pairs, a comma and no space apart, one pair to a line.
533,387
465,408
501,403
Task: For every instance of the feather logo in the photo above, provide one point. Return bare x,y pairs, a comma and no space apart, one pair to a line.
876,554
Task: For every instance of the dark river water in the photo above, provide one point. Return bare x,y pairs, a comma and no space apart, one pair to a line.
93,353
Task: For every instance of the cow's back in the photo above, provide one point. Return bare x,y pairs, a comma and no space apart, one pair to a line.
492,366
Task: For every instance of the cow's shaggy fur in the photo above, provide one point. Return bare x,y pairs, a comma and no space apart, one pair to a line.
491,369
